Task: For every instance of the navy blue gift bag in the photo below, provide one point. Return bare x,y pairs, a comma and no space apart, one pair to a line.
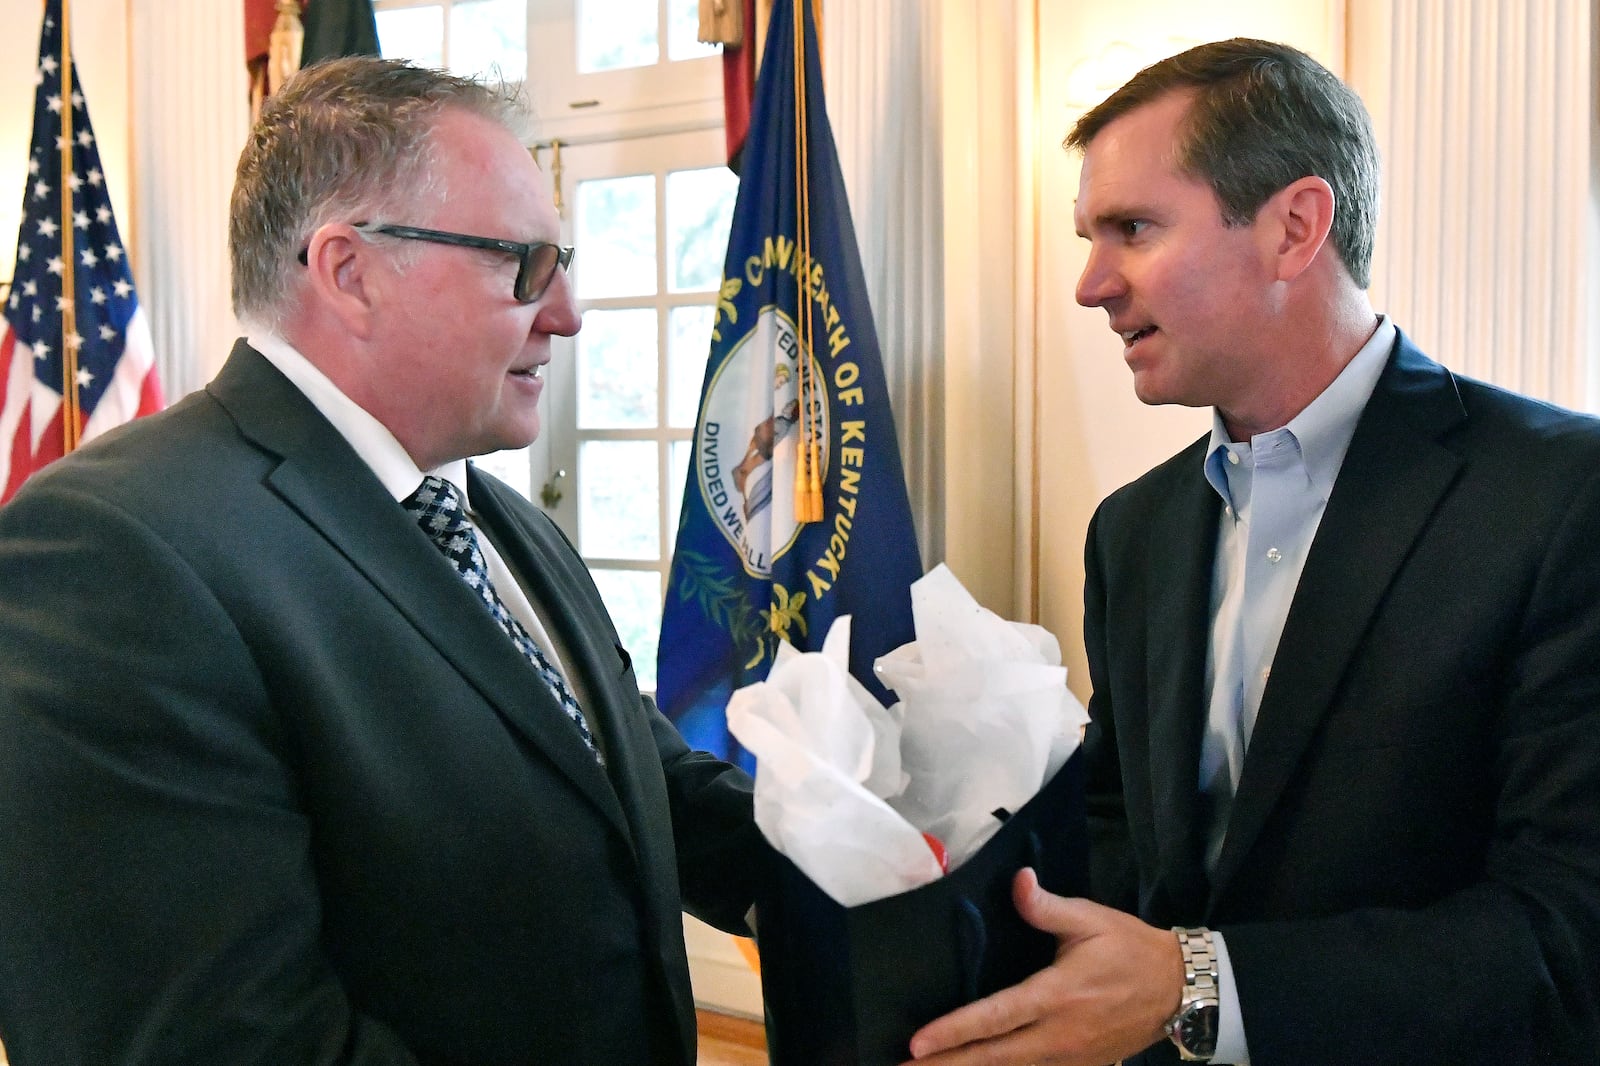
849,986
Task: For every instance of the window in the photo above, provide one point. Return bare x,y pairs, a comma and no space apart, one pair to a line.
637,33
603,69
650,219
467,37
635,102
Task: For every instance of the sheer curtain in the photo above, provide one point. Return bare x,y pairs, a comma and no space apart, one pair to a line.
1487,246
881,77
191,114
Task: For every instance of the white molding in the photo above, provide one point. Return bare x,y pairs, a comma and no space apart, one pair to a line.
723,980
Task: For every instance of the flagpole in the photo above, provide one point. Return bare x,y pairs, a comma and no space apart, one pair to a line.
70,412
807,481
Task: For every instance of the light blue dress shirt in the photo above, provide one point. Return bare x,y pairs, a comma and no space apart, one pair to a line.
1274,488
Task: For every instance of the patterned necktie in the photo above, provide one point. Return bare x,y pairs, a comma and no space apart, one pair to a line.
437,508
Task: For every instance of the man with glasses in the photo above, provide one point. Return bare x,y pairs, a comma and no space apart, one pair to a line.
316,744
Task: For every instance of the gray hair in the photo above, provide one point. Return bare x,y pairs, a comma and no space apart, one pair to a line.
346,140
1264,116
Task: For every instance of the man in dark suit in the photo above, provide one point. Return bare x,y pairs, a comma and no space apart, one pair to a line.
1344,760
305,757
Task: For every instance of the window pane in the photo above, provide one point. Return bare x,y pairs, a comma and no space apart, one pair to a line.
414,33
489,37
617,367
634,599
683,29
613,34
688,347
699,214
678,471
616,237
619,499
513,467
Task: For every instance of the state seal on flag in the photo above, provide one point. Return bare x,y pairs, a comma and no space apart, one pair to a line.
750,431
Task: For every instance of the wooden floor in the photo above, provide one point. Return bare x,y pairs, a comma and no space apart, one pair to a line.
726,1041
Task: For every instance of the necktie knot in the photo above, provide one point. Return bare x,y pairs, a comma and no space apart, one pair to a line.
438,509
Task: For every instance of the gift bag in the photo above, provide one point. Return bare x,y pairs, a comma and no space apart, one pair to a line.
848,986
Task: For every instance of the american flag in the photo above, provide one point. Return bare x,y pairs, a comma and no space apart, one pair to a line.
86,344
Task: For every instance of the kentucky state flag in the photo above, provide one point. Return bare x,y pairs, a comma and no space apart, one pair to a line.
793,380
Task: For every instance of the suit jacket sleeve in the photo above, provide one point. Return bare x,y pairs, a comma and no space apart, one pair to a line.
157,901
1113,876
722,855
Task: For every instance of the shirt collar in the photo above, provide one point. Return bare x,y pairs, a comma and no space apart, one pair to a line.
370,438
1323,430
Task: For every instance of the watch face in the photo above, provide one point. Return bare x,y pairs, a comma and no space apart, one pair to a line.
1196,1030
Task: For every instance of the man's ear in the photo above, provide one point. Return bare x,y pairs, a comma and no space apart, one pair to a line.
337,262
1303,211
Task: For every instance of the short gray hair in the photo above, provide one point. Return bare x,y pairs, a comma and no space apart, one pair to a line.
1264,116
346,140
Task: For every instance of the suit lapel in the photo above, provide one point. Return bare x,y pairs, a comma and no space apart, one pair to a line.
1182,550
323,479
552,573
1393,477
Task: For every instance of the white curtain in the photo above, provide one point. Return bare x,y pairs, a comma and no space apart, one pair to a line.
1485,112
191,115
881,78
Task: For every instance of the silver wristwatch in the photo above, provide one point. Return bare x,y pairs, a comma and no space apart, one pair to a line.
1194,1028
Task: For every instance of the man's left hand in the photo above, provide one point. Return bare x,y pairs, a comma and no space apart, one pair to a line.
1114,983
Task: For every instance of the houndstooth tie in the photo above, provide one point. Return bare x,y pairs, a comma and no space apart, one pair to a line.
437,508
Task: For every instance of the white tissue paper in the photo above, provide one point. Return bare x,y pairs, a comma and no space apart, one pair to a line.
987,715
825,750
846,788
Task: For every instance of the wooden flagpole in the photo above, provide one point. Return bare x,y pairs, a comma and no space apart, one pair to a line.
71,412
808,457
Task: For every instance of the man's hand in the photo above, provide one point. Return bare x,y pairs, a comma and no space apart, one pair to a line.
1114,983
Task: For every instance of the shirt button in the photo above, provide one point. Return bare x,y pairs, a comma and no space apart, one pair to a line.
1233,458
1274,555
1266,673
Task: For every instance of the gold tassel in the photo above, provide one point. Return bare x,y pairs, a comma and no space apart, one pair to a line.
283,58
722,22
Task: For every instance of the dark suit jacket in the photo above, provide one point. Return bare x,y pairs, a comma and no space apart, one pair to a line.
1412,867
274,787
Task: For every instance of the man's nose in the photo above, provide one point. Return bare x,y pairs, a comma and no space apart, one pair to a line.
1100,281
558,308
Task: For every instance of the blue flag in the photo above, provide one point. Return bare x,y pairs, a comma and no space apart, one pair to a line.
794,385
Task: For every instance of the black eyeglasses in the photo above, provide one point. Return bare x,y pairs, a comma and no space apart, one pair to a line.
536,263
